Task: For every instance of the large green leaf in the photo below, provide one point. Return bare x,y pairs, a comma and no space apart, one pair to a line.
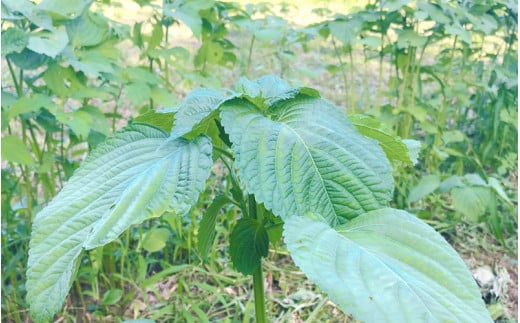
137,174
307,157
386,266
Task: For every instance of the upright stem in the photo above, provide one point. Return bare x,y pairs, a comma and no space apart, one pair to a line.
151,71
258,280
343,75
250,55
258,287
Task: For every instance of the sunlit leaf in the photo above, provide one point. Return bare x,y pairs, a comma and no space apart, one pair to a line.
155,239
65,8
426,185
393,146
386,266
304,155
49,43
14,150
137,174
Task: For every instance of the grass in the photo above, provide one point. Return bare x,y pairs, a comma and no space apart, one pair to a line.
174,285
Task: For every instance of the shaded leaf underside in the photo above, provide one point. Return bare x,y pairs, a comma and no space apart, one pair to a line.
137,174
386,266
307,157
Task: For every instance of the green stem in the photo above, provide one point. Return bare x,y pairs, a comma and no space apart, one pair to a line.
441,119
116,107
17,85
123,257
250,55
166,65
258,287
77,285
252,206
224,152
151,71
343,73
258,280
352,80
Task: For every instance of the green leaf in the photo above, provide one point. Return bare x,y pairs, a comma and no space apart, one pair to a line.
346,31
414,148
426,185
155,39
155,239
14,40
457,30
484,23
497,186
79,122
30,11
49,43
451,182
162,120
393,5
210,51
28,60
451,136
99,122
207,225
248,244
392,145
138,174
307,157
65,8
188,12
87,30
269,89
66,83
30,104
386,266
138,92
161,96
112,296
409,38
471,201
194,109
433,10
14,150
